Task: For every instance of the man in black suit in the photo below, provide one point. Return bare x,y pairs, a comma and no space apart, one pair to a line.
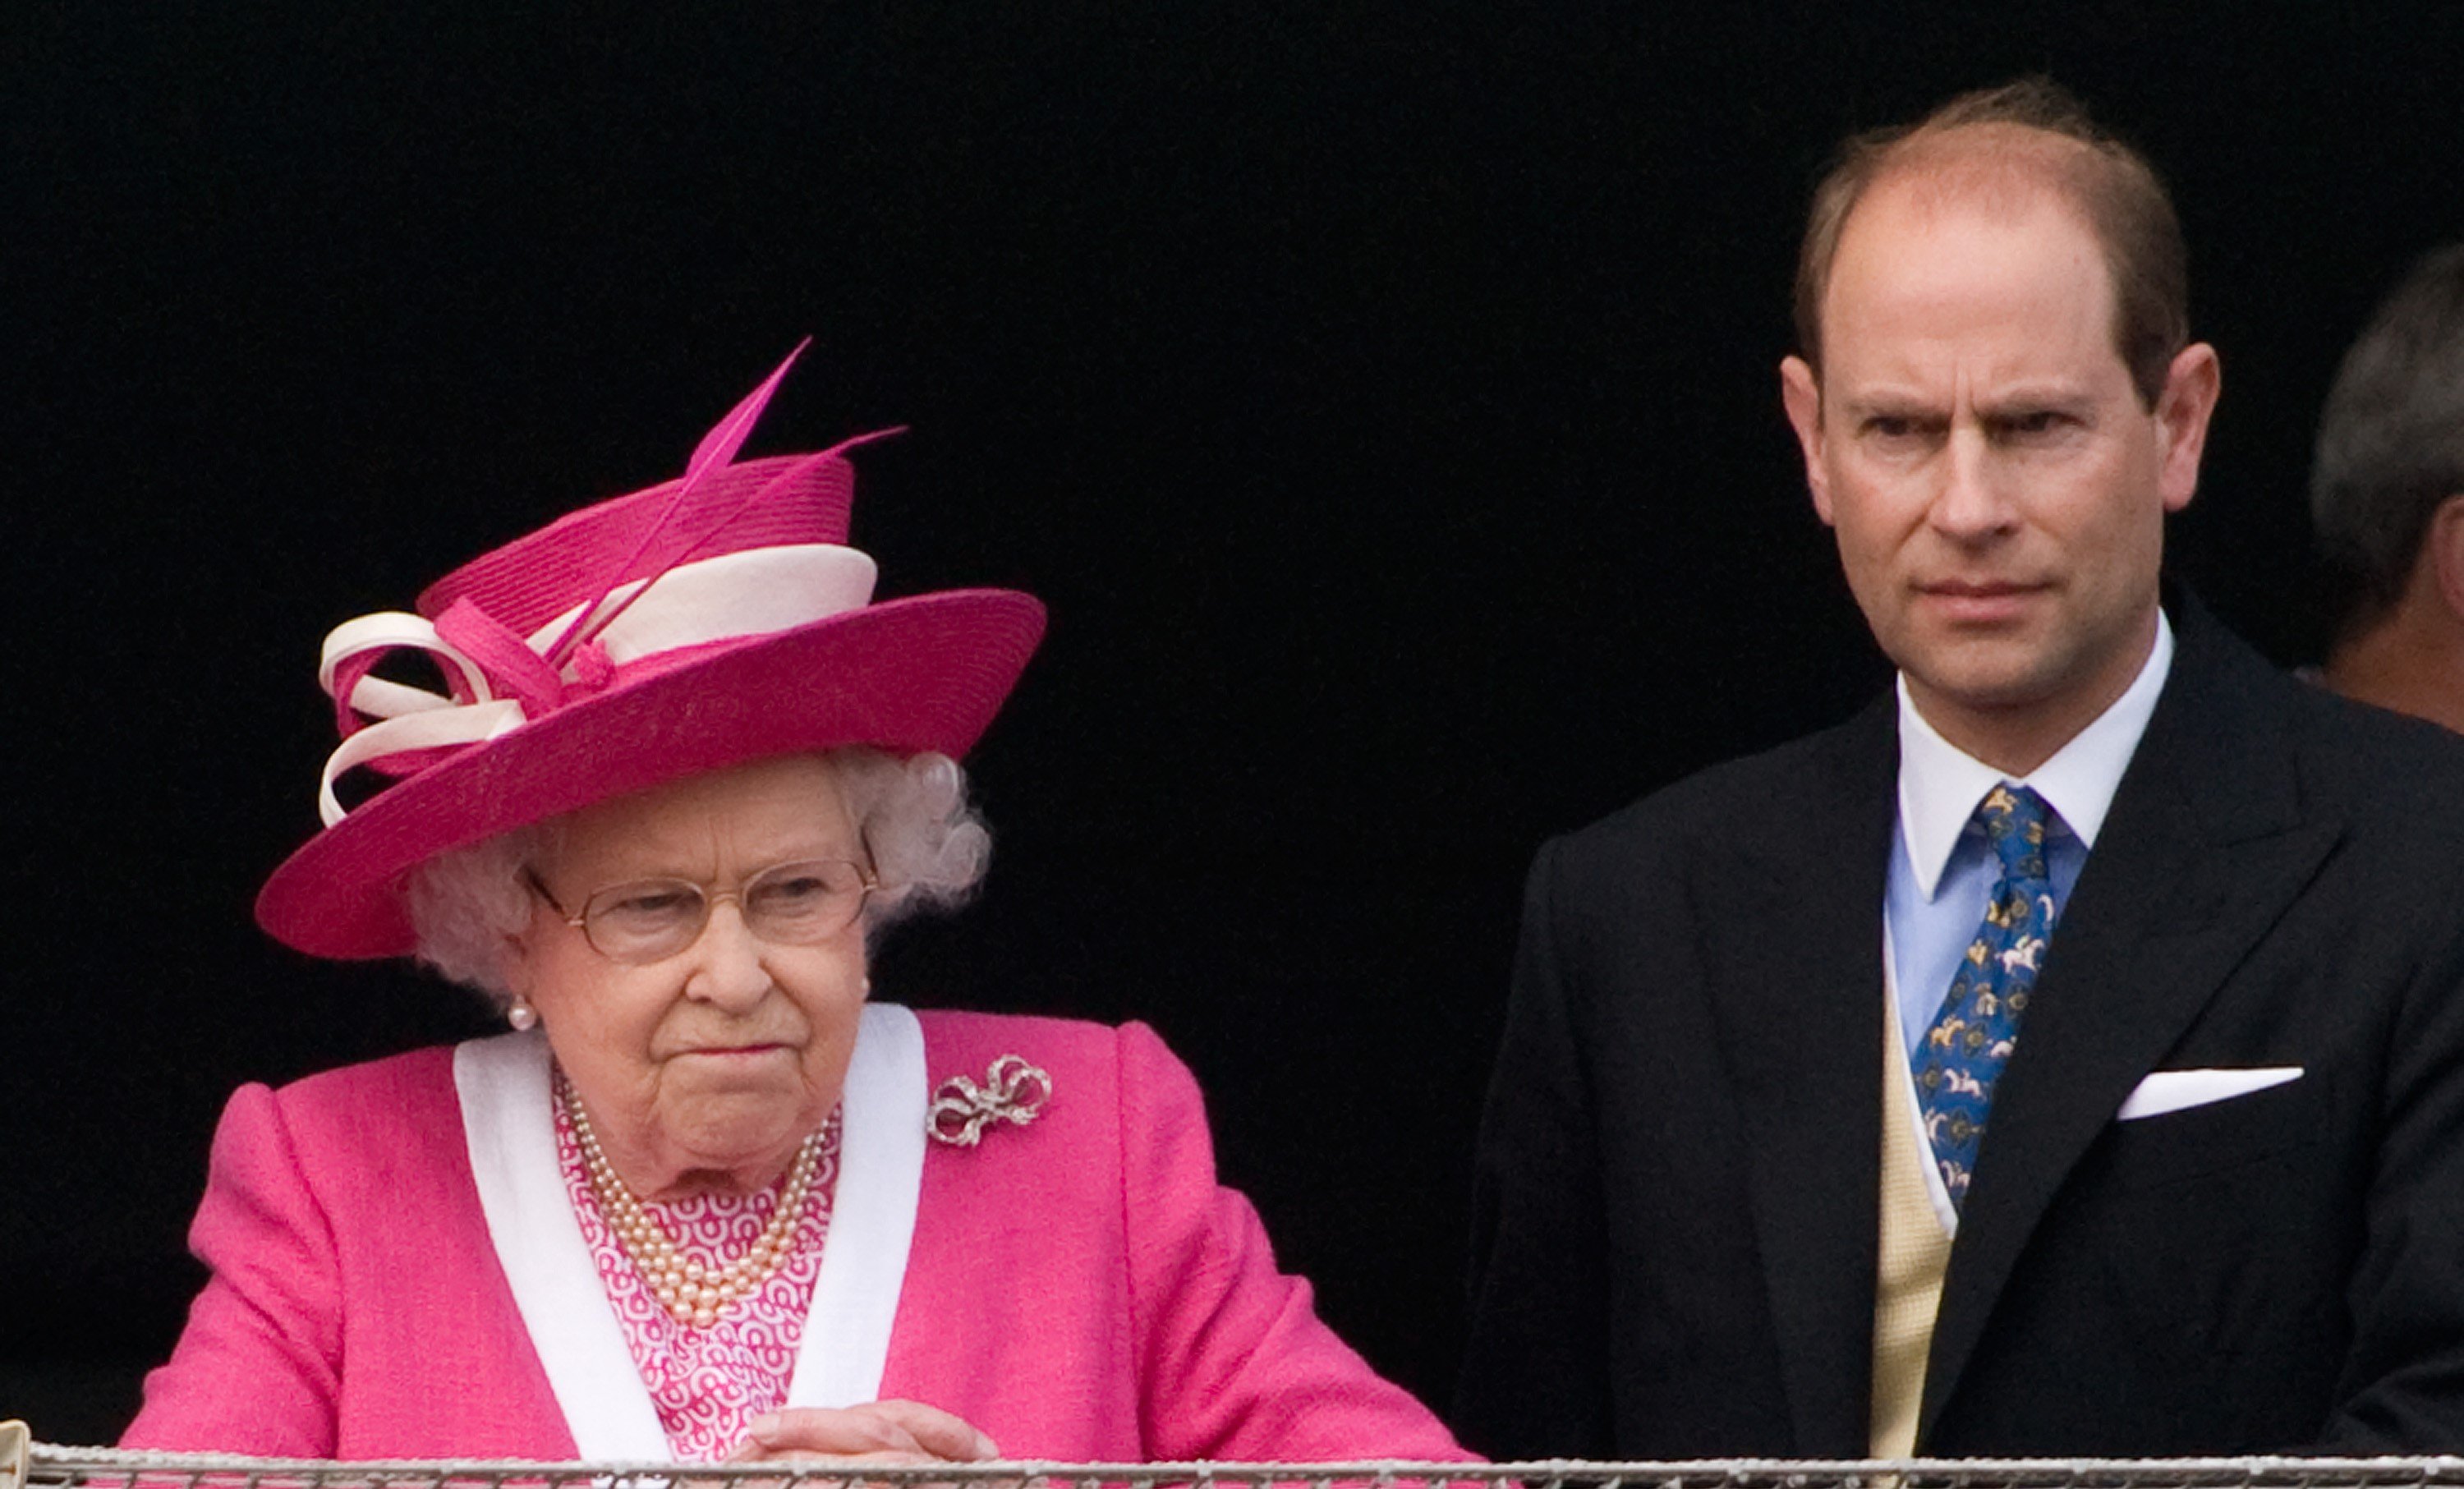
2065,1056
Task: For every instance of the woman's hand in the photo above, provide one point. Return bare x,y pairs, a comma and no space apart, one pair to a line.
878,1432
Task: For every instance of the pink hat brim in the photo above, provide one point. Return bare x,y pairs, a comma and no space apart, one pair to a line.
922,673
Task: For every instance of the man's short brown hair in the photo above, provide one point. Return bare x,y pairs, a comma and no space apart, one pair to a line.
2110,184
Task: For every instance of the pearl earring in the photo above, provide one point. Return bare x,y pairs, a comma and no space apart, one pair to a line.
521,1014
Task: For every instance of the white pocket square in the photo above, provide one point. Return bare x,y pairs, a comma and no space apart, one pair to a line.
2173,1090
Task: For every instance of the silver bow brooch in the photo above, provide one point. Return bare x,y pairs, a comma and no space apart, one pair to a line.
1013,1091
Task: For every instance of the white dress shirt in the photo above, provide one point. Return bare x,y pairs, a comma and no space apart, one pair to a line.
1942,869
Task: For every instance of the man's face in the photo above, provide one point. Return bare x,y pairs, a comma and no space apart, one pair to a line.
1997,490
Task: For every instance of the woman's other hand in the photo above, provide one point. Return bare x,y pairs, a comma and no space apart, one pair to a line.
878,1432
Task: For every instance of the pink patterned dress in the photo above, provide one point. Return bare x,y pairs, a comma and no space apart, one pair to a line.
707,1384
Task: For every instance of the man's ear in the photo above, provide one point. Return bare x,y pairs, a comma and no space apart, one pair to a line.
2442,548
2183,410
1801,395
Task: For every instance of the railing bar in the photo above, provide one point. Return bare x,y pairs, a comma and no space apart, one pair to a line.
56,1468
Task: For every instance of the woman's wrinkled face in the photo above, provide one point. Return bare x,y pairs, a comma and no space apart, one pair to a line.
703,1070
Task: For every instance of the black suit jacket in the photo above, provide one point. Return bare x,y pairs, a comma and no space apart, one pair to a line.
1676,1206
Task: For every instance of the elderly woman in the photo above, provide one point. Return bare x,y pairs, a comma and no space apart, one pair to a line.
710,1199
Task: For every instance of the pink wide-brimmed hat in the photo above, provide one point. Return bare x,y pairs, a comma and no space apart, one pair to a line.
717,619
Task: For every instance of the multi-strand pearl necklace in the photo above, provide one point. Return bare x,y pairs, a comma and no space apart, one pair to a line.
691,1292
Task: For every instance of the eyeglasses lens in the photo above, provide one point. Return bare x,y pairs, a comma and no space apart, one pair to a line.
789,905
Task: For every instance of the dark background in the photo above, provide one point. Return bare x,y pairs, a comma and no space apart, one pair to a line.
1381,395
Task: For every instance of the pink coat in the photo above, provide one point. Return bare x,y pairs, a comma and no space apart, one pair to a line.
1080,1287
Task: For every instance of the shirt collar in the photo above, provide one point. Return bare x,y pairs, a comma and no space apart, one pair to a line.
1940,783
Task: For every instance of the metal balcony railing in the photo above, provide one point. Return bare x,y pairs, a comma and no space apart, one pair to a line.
44,1466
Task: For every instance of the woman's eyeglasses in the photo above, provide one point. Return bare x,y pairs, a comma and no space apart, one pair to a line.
649,920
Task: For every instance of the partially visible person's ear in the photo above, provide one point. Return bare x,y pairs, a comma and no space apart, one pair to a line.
2443,547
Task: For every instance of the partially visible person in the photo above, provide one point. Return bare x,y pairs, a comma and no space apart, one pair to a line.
2387,496
710,1199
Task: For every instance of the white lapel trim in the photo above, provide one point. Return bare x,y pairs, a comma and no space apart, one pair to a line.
511,1127
872,1214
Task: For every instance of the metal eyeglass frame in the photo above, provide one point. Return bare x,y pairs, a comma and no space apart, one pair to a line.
709,899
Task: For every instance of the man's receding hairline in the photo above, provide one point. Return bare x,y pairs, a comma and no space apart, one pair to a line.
2006,177
2010,144
2005,199
1993,163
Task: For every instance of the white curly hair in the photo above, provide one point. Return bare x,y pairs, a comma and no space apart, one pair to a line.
929,850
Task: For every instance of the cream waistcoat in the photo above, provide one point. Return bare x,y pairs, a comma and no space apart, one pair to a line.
1914,1252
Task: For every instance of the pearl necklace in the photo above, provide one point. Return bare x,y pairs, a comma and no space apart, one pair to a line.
690,1292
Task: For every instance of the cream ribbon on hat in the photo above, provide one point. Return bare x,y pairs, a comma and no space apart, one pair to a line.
754,592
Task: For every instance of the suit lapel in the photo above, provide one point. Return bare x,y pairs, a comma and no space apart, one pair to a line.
2205,848
1803,904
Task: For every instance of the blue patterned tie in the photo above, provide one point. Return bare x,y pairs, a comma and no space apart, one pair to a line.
1972,1036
